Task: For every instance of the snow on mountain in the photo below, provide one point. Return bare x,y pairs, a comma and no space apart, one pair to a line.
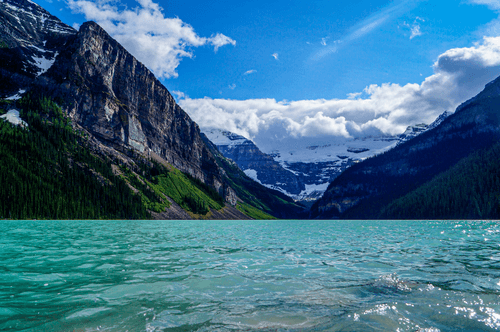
31,45
320,150
13,117
17,96
416,130
43,63
225,138
303,168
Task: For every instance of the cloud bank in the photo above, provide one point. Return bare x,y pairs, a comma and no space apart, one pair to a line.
157,41
385,109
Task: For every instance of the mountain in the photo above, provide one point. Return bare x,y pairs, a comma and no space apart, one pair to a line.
414,131
84,96
265,199
304,170
30,41
449,171
254,163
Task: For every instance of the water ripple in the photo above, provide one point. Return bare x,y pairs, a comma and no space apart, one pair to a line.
240,275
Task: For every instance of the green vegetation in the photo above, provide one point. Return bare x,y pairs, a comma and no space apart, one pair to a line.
190,193
3,44
152,199
253,212
47,172
186,192
470,189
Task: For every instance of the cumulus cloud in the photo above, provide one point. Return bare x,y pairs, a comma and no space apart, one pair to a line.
157,41
275,56
251,71
386,109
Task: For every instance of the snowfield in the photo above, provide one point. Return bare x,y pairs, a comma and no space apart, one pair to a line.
16,96
13,117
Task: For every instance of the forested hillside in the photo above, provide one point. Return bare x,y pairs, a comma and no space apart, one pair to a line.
470,190
46,171
50,171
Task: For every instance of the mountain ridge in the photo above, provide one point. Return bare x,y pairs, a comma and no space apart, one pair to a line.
92,87
365,189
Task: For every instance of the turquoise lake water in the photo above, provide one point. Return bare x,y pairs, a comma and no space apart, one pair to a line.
249,276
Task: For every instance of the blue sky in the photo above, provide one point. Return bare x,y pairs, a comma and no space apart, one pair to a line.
342,68
304,35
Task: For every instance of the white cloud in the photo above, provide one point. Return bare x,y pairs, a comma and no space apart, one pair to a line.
415,27
493,27
354,95
363,28
493,4
387,109
323,41
232,86
251,71
157,41
415,31
275,55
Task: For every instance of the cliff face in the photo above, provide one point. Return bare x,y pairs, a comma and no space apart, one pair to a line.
117,99
365,188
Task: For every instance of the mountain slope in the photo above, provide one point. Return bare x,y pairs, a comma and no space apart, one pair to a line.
470,189
256,164
120,113
367,189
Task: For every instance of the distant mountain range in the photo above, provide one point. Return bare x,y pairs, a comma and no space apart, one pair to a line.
304,171
99,114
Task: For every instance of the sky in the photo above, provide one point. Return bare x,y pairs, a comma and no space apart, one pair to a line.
278,70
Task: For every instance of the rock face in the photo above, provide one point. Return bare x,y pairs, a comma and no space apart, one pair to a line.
362,190
31,39
102,87
120,101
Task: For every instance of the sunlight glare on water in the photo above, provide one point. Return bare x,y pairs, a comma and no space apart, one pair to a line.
249,275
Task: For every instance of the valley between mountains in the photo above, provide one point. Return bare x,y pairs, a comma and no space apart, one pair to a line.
89,132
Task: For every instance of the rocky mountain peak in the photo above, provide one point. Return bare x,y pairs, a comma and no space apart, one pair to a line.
119,101
30,41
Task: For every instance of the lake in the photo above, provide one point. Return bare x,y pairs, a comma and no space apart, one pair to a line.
249,275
